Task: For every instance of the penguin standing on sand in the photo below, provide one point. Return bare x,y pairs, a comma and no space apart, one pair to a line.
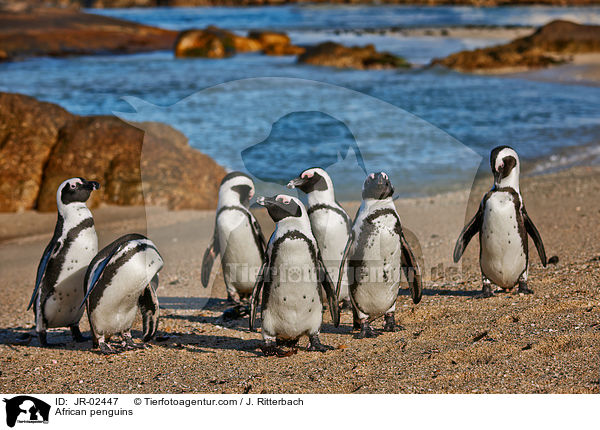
503,225
330,223
375,255
237,237
121,279
290,280
58,294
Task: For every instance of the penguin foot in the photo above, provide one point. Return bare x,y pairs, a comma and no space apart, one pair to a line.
365,331
523,289
390,323
236,312
271,350
106,349
288,343
42,337
129,344
76,334
316,345
486,292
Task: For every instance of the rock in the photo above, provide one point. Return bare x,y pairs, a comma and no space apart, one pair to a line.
277,50
549,45
149,163
267,38
355,57
59,32
213,42
28,132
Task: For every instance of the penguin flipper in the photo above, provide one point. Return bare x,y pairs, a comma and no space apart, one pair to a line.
535,235
343,264
100,261
259,234
148,303
411,270
258,285
209,258
470,230
332,300
50,249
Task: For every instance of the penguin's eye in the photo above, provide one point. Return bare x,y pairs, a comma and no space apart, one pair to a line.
72,186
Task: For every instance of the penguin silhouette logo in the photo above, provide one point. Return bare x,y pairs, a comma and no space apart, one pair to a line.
26,409
280,157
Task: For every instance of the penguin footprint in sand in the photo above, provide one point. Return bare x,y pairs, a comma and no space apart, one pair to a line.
291,305
503,225
121,279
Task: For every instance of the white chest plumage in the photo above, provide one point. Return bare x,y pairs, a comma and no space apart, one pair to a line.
375,260
331,234
503,257
63,306
294,307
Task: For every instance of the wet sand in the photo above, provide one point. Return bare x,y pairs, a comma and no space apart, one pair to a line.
452,341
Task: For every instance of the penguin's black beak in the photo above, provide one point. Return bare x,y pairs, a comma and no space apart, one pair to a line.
91,185
497,174
297,182
266,201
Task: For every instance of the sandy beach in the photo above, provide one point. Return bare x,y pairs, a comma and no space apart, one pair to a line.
452,342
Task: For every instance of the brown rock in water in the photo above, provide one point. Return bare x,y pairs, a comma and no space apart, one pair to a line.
267,38
274,43
565,37
60,32
355,57
549,45
277,50
213,42
42,145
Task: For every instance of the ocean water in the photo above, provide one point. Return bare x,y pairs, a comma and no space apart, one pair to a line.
429,129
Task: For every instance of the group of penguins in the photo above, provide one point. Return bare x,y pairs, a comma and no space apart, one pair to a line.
315,258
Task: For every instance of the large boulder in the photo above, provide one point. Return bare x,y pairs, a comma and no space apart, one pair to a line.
551,44
145,163
213,42
60,32
333,54
275,43
267,38
28,133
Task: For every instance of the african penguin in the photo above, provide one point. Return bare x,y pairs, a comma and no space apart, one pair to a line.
330,223
237,237
57,293
503,224
375,255
290,280
121,279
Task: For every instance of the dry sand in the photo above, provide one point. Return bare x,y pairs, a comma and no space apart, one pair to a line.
453,342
